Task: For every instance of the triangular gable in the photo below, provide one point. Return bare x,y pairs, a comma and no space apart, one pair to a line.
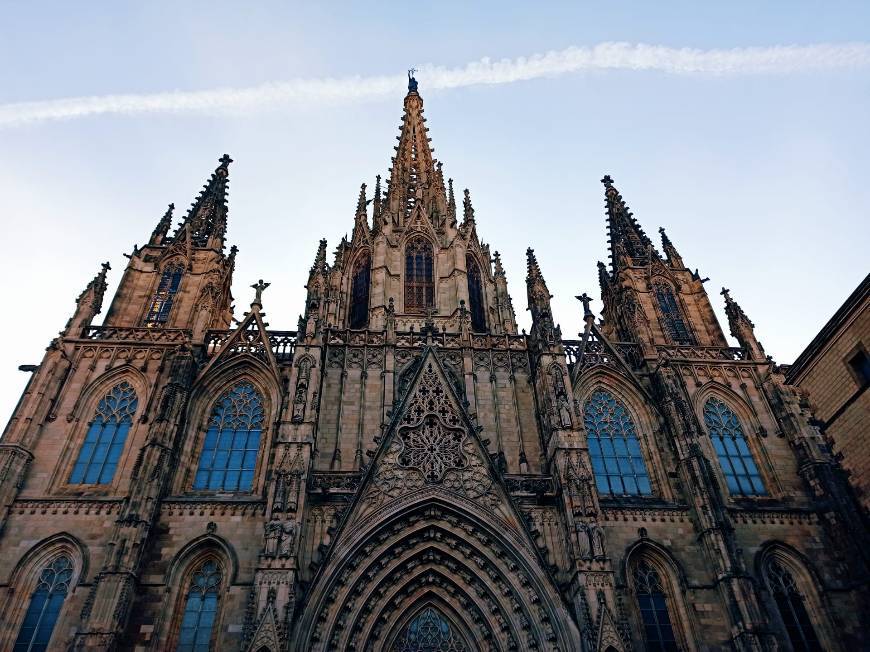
596,350
267,633
608,633
249,339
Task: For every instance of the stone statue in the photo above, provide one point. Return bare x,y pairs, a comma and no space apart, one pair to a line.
584,550
288,538
565,412
596,538
273,533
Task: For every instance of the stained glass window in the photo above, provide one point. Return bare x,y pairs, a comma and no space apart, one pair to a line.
104,441
359,292
161,304
429,631
658,632
200,609
614,449
475,295
45,605
232,441
419,282
673,322
791,607
735,458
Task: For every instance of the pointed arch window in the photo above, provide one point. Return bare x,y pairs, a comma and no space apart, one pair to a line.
45,605
475,295
729,442
359,291
161,303
429,631
232,441
106,436
791,607
419,276
200,609
614,448
658,630
673,322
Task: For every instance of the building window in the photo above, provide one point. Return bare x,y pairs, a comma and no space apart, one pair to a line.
614,449
673,322
107,433
359,292
232,441
419,283
161,304
200,609
729,442
791,607
45,605
427,632
658,632
475,295
859,364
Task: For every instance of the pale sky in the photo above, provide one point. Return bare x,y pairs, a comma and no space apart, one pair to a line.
741,127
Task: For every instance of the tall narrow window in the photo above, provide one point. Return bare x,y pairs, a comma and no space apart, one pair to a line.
200,609
791,607
45,605
107,433
429,631
673,322
735,458
658,632
232,441
161,304
614,449
475,295
359,292
419,282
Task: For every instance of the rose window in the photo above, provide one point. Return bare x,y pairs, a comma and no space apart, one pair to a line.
432,448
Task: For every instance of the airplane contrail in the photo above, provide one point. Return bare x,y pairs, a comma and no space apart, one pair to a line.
780,59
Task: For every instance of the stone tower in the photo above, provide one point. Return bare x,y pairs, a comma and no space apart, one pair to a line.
405,471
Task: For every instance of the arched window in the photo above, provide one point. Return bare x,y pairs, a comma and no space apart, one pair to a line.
161,304
791,607
45,605
107,433
735,458
658,631
419,271
614,449
429,631
359,291
232,441
673,322
475,295
200,609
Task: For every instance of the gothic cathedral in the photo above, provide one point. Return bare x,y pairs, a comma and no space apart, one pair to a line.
406,471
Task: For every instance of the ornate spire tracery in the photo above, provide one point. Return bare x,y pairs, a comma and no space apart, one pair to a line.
742,327
627,239
206,221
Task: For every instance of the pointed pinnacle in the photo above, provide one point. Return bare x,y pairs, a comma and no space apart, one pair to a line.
666,241
467,208
499,270
534,270
361,202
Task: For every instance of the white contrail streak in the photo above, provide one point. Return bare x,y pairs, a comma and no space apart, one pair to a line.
307,92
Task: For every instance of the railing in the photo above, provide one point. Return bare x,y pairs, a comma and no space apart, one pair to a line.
123,334
282,343
703,352
596,353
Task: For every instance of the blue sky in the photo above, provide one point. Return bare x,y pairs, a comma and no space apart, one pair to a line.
759,177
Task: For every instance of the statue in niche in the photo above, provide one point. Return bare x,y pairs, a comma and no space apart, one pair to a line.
584,551
299,403
565,412
273,534
288,538
596,538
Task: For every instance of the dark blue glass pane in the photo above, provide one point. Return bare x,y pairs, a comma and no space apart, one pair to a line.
246,480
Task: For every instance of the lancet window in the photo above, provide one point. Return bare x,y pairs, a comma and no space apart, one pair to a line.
475,295
429,631
161,303
419,276
359,291
232,441
791,607
735,458
200,609
106,436
614,448
45,605
673,322
652,602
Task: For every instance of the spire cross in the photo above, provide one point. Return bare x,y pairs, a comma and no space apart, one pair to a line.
726,293
585,299
259,286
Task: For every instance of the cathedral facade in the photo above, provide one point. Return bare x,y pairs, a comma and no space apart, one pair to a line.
406,471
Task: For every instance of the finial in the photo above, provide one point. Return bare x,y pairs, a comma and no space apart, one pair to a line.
223,168
585,299
361,202
607,181
259,286
467,208
412,83
727,294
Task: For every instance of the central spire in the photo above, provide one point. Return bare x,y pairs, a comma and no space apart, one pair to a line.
416,182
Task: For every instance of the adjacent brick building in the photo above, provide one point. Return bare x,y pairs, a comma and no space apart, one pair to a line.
834,371
405,470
